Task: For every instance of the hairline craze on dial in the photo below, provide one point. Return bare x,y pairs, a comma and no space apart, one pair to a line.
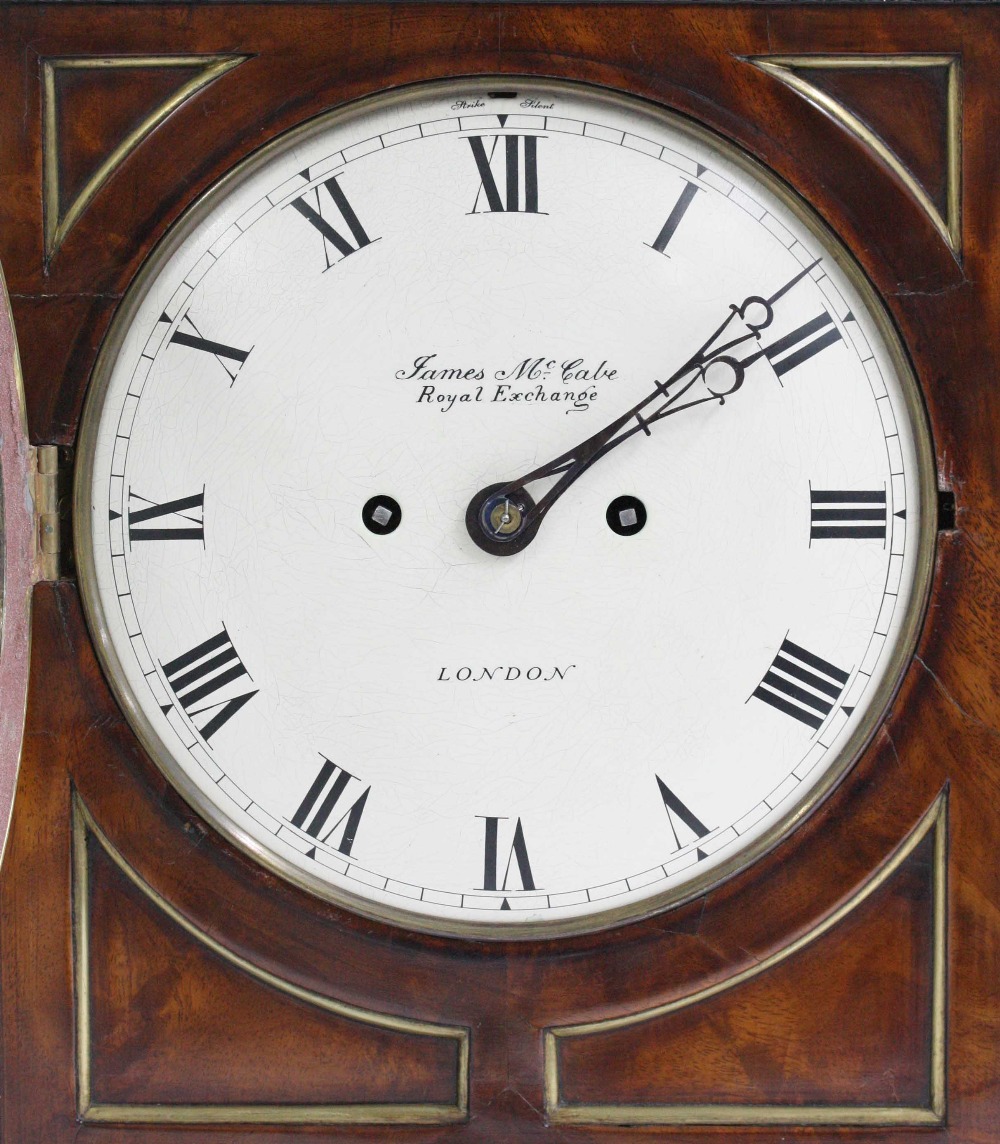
339,868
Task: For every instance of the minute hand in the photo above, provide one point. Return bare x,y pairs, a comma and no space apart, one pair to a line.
713,364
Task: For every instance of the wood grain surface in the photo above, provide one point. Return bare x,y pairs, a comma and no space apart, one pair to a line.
845,1019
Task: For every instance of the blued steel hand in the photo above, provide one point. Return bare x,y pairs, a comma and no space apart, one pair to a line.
712,364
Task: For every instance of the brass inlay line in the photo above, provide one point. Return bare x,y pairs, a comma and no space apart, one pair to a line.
949,226
345,1113
754,1115
55,227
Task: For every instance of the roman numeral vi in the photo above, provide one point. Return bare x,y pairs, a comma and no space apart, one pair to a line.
518,854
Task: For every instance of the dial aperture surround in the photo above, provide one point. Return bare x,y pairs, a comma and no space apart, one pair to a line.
412,303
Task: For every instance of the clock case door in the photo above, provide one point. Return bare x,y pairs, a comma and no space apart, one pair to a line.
158,985
20,559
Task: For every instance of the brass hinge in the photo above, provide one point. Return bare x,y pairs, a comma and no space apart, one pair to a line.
53,470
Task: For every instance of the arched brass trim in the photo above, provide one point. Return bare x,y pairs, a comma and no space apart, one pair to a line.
55,227
756,1115
92,1112
949,225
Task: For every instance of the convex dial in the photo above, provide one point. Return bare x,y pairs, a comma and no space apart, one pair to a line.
504,508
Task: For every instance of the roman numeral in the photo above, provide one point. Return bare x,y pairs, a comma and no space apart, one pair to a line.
331,236
678,814
843,514
782,686
674,218
518,853
200,674
510,152
322,799
229,357
181,519
802,344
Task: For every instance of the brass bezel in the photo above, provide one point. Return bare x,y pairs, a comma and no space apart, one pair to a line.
923,496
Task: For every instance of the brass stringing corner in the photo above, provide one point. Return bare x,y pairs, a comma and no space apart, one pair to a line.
934,821
783,68
93,1111
57,226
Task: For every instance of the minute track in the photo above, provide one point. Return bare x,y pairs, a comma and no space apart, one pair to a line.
262,515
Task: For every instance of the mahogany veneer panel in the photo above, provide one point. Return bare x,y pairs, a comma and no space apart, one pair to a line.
168,1017
95,112
906,107
863,1038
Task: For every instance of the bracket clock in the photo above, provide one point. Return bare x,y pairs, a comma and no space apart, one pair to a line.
503,502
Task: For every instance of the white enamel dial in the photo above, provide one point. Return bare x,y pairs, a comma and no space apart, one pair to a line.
668,632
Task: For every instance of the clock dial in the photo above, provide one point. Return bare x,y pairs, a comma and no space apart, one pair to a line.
504,512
